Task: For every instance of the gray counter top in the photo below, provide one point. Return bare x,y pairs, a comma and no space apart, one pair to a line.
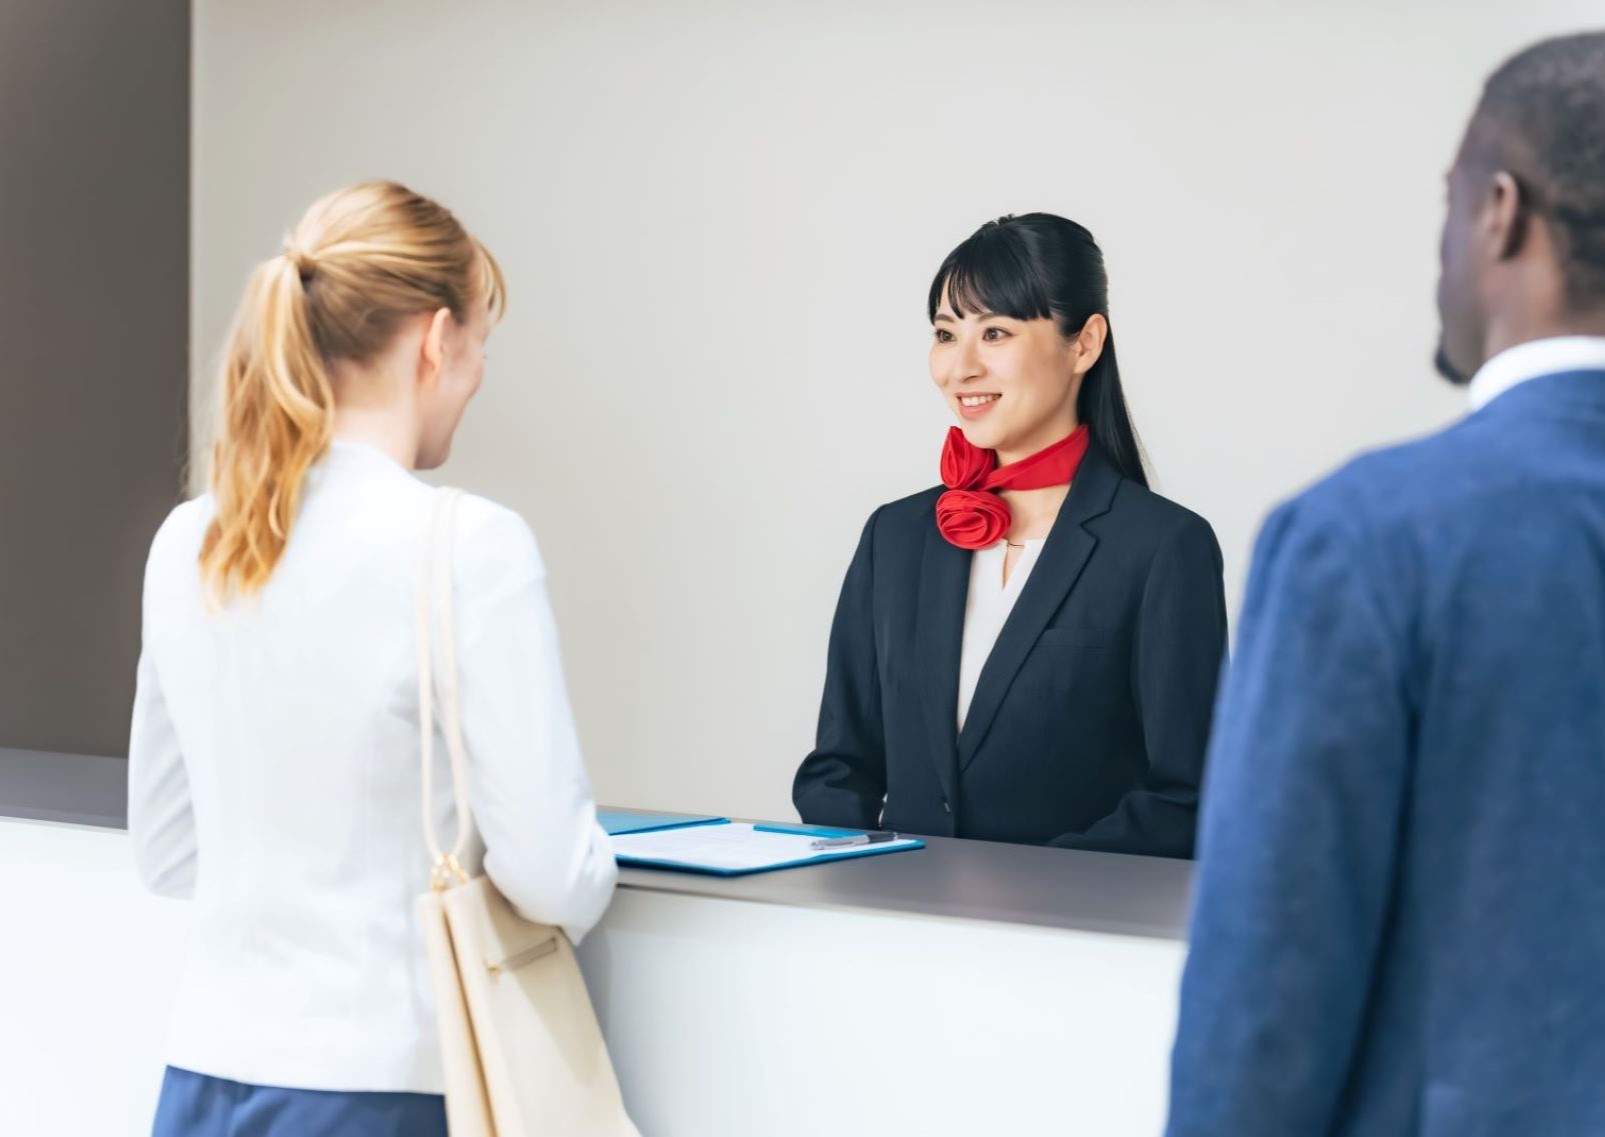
970,880
75,789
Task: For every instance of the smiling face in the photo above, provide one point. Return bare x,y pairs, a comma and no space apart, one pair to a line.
1011,383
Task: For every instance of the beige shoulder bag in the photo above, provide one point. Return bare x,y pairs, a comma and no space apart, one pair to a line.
523,1052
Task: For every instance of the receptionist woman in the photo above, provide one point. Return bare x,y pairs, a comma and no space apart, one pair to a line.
1029,652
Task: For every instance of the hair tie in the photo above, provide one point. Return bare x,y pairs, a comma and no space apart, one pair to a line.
300,261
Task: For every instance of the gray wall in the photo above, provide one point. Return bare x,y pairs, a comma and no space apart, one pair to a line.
94,316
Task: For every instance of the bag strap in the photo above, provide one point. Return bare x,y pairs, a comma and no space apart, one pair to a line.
435,569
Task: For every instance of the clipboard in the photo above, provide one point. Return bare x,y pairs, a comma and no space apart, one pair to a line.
736,848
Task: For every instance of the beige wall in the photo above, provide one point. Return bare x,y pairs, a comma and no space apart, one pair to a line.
720,220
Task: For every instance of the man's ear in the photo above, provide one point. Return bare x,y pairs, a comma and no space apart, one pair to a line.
1505,216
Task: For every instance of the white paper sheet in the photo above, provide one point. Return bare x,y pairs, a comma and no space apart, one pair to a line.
736,847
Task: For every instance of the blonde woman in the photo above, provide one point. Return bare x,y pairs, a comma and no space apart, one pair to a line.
274,762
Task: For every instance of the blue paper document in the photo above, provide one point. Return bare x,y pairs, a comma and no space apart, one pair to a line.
736,848
617,821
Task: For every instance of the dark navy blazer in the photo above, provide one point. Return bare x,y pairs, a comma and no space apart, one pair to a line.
1091,717
1400,921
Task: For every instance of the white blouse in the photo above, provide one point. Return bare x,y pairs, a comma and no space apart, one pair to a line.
987,609
274,778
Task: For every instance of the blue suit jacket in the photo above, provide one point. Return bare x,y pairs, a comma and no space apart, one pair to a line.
1400,910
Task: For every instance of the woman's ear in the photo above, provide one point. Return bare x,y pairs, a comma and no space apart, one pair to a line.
433,352
1087,347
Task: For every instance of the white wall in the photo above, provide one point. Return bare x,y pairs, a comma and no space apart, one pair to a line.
720,219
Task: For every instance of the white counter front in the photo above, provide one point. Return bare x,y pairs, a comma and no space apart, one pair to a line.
778,1009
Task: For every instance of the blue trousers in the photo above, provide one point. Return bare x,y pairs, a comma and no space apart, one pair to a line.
195,1105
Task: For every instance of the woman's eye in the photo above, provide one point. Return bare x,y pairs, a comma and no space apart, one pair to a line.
993,334
943,336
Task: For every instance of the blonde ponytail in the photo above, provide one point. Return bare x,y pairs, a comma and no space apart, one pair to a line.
361,260
278,416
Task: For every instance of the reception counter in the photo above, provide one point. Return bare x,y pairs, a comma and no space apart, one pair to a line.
966,988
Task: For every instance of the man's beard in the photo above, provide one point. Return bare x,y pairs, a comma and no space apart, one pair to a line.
1447,369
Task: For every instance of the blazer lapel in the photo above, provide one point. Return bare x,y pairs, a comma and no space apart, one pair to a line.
939,637
1063,557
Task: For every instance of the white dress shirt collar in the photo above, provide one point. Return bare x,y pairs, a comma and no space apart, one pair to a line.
1532,360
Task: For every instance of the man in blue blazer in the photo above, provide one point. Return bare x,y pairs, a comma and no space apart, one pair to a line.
1400,909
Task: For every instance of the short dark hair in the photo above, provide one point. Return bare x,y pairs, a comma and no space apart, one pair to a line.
1542,119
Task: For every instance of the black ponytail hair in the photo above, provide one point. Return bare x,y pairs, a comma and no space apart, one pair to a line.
1035,266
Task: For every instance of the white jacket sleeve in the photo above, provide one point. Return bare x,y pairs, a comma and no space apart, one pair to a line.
161,817
528,789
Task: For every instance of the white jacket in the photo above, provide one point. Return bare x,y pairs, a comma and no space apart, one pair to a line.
274,777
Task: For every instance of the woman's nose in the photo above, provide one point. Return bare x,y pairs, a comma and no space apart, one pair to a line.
965,363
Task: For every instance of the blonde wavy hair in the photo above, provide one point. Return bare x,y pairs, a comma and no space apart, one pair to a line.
361,261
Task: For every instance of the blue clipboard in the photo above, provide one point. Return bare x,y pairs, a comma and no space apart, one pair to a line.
903,845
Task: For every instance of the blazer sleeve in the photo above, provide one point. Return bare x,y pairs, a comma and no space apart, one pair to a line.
1176,664
528,788
161,812
843,782
1302,811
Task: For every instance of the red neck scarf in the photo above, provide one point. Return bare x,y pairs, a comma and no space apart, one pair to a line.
971,514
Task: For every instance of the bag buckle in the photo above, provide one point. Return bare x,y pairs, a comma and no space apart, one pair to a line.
447,873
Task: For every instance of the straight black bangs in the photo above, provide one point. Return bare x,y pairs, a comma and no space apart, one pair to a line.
993,271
